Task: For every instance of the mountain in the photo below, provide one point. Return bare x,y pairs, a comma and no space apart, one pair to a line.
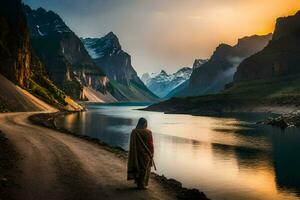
66,60
268,81
177,90
108,55
280,58
21,69
163,83
198,63
213,75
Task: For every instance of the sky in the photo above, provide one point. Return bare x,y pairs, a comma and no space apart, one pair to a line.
170,34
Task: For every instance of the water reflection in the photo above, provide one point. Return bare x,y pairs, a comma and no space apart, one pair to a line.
286,159
228,157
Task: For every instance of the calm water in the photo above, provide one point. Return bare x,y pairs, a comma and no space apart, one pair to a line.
227,158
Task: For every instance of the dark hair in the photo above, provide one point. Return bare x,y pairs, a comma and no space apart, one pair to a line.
142,123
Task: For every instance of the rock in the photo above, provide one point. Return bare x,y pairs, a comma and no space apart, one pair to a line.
281,123
4,181
281,57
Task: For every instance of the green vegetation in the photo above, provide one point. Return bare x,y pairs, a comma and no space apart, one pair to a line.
242,96
260,89
43,88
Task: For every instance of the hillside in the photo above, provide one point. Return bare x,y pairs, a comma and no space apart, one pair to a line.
278,95
13,98
21,66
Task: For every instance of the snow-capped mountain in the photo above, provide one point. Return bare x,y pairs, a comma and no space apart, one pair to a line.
100,47
109,56
163,83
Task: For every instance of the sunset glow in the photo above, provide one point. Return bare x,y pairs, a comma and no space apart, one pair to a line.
171,34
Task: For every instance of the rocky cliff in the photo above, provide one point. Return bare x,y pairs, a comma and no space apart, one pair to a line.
280,58
18,63
66,60
116,63
14,52
213,75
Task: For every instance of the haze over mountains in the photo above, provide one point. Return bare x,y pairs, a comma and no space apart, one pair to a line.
211,77
267,79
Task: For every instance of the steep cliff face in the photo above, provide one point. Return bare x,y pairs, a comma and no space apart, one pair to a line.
212,76
65,57
19,64
116,63
280,58
14,43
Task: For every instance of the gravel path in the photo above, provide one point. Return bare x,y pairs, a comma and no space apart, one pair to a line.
59,166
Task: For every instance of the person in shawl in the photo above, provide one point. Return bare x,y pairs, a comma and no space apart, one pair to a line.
140,158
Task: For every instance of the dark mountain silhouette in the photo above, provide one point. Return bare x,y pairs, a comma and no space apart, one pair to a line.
212,76
280,58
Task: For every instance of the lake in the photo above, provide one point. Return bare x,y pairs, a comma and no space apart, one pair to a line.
228,157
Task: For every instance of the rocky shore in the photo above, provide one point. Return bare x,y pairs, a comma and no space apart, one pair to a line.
283,121
172,185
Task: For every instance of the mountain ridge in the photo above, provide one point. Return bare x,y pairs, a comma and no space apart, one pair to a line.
67,62
214,74
163,83
108,55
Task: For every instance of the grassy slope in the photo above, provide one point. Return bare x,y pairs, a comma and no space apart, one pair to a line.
243,96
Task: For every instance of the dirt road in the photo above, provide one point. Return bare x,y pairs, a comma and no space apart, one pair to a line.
59,166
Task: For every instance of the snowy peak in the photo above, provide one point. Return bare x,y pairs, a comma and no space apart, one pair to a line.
44,23
199,62
163,83
100,47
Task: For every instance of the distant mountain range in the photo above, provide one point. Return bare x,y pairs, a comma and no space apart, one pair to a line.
108,55
210,76
265,81
163,83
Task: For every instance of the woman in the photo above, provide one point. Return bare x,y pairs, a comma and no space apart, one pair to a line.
141,152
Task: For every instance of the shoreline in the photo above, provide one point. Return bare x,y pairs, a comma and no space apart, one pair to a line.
48,120
286,116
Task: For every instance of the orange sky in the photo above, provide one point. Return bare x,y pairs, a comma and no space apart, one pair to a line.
170,34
